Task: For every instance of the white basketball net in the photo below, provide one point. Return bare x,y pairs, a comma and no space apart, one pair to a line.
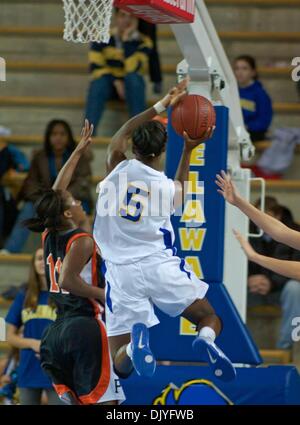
87,20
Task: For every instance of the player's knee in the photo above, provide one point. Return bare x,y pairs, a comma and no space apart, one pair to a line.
123,375
202,308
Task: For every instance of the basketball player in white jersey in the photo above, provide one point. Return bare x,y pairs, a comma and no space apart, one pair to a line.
134,232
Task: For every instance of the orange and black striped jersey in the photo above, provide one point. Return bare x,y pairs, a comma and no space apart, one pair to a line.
56,246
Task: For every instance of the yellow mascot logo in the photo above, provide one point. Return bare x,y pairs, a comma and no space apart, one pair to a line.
194,393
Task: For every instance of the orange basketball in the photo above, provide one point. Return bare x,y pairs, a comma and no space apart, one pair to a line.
193,114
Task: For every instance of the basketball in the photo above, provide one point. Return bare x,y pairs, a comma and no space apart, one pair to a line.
193,114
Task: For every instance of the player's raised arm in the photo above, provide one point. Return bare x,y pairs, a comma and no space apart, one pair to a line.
65,175
182,175
120,141
69,279
290,269
274,228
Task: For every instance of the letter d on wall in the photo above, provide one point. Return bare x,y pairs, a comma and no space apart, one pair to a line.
2,69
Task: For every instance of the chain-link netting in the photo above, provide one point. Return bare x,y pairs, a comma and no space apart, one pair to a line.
87,20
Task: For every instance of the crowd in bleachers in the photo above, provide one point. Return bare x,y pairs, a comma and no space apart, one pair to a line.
111,78
269,288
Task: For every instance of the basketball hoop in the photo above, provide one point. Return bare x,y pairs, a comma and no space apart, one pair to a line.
87,20
160,11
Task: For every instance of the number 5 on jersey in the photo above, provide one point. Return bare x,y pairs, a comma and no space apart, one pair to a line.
133,207
54,270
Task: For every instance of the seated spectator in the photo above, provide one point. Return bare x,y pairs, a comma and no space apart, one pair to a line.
117,69
154,60
45,166
10,159
255,101
33,311
267,287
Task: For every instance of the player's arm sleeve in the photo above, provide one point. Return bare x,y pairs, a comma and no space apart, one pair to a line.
14,315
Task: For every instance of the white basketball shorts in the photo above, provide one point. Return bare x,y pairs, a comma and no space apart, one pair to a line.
132,290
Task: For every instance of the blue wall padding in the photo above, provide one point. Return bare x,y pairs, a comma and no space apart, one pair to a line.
235,340
212,254
273,385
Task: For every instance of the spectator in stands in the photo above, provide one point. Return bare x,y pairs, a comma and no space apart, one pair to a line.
33,311
267,287
117,69
255,101
9,378
11,160
154,60
45,166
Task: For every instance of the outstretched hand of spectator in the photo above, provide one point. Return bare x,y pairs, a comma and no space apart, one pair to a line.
227,188
258,284
245,245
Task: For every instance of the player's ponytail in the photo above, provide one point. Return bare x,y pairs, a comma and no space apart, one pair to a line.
49,209
149,139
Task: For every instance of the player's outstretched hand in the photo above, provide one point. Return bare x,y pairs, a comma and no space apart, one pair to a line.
191,144
176,93
245,245
227,188
86,137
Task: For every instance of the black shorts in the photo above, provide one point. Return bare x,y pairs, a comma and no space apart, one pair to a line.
75,354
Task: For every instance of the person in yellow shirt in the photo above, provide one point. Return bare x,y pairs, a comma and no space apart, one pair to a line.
33,312
117,69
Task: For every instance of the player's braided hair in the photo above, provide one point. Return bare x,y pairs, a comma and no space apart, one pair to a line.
49,209
149,139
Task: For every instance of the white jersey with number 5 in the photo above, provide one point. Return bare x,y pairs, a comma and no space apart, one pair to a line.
134,206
